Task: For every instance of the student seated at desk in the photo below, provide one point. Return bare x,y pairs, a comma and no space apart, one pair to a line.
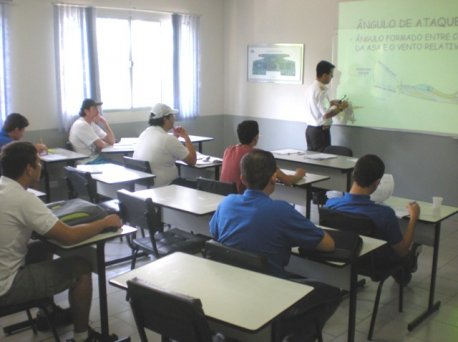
91,132
256,223
14,129
161,149
367,174
27,271
248,134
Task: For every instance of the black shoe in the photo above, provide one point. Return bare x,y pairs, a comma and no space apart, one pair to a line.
95,336
402,278
59,317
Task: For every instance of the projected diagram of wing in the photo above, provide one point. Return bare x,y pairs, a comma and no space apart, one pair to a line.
386,79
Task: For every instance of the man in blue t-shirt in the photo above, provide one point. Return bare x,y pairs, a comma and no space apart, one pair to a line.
367,174
14,129
256,223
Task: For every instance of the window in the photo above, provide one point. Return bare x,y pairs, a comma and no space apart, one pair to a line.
3,61
128,59
135,60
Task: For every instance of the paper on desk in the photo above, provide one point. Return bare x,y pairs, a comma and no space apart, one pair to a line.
320,156
288,151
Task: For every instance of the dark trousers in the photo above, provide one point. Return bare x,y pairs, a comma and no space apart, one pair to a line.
317,137
306,318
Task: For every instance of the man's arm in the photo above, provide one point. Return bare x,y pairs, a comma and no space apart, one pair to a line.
326,244
402,248
72,235
191,158
290,179
336,107
110,137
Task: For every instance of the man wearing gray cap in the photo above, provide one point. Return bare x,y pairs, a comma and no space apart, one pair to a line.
161,149
91,132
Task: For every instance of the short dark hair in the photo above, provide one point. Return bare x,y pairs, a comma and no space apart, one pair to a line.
324,67
16,156
368,169
154,121
247,130
257,168
88,103
15,120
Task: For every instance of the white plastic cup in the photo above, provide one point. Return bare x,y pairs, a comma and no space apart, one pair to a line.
437,202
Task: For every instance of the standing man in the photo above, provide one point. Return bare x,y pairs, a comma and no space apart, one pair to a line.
14,129
91,132
367,174
319,109
161,149
256,223
26,270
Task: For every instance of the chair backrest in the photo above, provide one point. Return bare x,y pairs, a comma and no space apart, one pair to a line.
141,213
81,184
340,220
232,256
69,145
171,315
137,164
339,150
216,187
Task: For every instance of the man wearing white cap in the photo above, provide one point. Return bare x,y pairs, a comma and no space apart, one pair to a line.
161,149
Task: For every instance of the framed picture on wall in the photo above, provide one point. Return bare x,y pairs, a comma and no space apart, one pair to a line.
277,63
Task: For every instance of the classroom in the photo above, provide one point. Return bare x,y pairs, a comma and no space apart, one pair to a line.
423,163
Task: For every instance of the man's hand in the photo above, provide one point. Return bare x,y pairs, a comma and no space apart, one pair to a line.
414,210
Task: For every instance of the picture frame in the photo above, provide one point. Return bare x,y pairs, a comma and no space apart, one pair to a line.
276,63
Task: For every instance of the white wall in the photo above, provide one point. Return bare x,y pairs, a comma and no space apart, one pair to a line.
33,83
309,22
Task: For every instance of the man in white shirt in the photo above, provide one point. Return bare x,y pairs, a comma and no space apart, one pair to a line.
27,272
91,132
161,149
319,109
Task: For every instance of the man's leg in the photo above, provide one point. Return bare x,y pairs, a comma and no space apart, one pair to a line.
80,296
310,314
315,138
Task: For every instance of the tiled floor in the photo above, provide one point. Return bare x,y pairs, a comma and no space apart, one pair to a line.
390,326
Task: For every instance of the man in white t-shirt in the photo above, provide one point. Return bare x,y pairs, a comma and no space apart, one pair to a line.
27,271
91,132
161,149
319,110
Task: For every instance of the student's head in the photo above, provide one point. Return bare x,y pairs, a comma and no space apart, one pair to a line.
162,115
90,108
247,130
368,169
257,169
15,125
324,71
19,157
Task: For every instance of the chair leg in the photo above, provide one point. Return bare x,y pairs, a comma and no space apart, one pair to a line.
32,322
401,294
51,324
134,258
374,312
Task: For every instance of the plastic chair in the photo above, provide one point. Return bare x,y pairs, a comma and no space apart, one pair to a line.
81,185
232,256
42,304
139,165
338,150
144,214
215,186
172,315
363,225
